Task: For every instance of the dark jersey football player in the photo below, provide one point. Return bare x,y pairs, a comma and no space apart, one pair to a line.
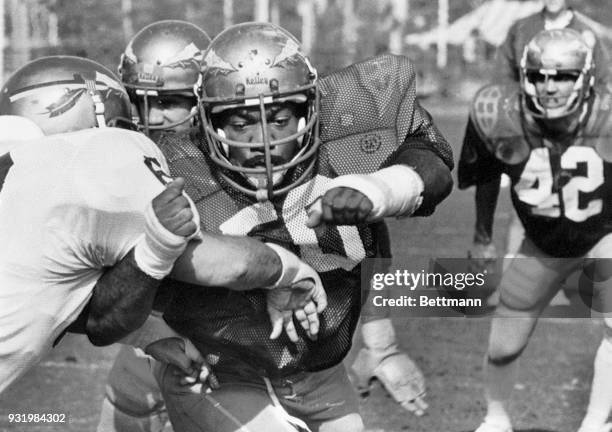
313,165
549,134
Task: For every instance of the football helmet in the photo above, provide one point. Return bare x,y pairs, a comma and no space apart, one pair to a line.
65,93
259,64
555,53
163,57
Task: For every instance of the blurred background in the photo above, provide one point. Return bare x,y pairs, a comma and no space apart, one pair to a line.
452,42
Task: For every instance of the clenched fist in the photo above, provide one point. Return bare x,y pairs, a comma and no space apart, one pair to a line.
339,206
173,210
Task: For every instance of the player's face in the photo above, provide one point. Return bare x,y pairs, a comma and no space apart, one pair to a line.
553,90
554,6
244,125
166,110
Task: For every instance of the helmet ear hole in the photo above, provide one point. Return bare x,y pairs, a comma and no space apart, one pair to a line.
300,126
224,146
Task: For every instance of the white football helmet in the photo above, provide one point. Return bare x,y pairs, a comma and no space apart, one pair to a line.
553,53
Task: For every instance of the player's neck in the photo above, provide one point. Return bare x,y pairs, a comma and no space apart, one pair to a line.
557,20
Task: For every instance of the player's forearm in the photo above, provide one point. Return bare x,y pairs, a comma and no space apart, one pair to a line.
436,176
238,263
121,302
486,201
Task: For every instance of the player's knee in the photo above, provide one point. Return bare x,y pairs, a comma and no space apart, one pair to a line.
504,355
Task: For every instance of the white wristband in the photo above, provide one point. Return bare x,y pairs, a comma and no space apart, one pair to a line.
393,191
158,248
290,266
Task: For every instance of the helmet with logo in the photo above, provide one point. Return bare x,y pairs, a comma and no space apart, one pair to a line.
163,57
255,65
556,54
65,93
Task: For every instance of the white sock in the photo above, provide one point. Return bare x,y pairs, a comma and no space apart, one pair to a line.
600,401
499,381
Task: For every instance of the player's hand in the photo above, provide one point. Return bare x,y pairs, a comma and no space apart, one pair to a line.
339,206
304,299
483,257
173,210
191,371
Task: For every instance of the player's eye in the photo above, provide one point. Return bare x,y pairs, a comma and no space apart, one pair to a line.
567,76
536,77
280,121
238,125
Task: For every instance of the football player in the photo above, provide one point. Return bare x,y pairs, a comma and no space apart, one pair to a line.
73,204
549,134
313,165
159,68
555,14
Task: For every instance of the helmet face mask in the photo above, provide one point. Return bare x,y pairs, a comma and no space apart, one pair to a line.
557,74
260,67
65,93
163,60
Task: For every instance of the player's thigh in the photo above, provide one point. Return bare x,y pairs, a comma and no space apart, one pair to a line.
533,278
112,419
350,422
231,408
326,400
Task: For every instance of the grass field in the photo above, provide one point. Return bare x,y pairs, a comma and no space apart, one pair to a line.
550,396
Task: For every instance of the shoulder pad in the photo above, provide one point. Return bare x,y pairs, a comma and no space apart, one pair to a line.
495,111
364,96
365,107
598,129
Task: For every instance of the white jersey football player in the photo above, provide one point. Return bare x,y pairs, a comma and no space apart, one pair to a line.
74,204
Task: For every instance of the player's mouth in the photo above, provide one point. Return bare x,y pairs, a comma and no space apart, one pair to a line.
552,102
260,161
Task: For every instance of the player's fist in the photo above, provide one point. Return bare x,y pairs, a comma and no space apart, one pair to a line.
339,206
173,211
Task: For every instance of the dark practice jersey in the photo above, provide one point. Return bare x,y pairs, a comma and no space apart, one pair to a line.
561,185
364,109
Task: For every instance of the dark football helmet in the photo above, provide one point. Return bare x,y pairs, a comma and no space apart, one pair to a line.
164,57
65,93
555,53
258,64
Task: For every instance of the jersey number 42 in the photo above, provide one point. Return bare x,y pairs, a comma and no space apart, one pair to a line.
535,187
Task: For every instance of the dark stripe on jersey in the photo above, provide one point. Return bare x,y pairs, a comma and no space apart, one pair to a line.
5,164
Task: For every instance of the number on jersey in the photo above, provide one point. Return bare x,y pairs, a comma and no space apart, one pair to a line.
535,187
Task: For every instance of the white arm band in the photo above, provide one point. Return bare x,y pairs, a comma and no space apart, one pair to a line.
158,248
290,266
394,191
153,329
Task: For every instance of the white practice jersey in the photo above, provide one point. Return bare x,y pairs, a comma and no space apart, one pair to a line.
70,205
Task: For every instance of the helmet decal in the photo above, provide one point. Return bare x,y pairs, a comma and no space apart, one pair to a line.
66,93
